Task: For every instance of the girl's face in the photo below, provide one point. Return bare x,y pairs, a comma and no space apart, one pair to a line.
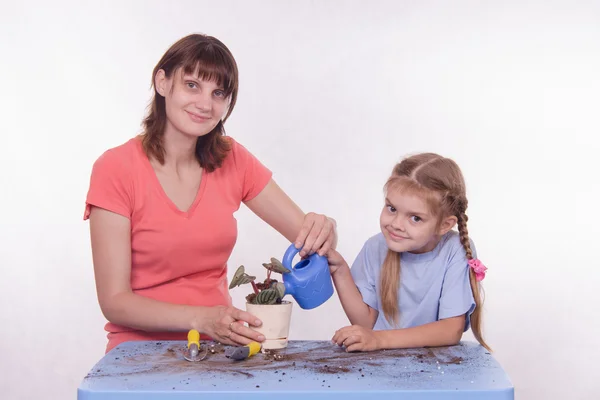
408,224
193,106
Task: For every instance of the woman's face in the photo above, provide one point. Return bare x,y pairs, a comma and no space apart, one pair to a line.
193,106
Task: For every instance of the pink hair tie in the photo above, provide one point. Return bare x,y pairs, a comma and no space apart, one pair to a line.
478,267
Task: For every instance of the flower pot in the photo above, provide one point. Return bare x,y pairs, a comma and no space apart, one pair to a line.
275,323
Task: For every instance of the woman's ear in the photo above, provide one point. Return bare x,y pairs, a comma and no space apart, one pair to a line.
160,82
447,224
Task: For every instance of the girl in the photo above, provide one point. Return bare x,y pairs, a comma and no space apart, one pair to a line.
161,207
416,283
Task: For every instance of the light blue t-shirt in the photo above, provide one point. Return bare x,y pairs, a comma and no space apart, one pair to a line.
433,285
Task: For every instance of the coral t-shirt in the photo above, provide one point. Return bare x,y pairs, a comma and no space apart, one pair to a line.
177,256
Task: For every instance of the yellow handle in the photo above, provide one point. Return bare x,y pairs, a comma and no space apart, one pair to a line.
193,338
254,348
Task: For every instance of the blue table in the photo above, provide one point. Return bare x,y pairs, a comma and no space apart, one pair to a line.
306,369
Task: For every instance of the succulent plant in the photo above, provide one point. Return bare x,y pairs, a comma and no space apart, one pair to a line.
270,291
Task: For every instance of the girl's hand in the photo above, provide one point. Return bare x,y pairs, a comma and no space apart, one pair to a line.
225,324
318,234
335,261
356,338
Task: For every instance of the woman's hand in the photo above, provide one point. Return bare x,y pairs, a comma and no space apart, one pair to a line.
356,338
225,324
317,235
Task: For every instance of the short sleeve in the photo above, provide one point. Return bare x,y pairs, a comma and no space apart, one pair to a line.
364,277
457,297
253,175
111,186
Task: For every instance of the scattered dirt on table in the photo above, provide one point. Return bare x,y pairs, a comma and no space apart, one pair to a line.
315,357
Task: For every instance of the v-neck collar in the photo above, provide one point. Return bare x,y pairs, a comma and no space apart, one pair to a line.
190,211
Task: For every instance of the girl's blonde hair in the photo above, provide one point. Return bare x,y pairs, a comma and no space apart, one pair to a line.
440,183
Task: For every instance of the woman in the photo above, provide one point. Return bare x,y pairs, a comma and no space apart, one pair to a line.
161,207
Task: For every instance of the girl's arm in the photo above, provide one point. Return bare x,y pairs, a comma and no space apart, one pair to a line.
357,311
446,332
312,232
111,251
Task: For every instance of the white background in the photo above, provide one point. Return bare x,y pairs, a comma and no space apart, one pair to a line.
332,94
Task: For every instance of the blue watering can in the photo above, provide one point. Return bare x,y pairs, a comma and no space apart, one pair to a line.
309,281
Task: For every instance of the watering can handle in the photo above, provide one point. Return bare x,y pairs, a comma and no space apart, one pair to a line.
289,255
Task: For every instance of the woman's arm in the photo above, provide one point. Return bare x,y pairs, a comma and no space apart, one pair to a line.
313,232
111,251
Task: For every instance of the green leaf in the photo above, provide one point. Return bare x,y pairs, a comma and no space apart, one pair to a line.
276,266
280,287
267,296
240,277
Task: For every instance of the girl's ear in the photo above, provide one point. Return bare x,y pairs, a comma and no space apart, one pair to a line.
447,224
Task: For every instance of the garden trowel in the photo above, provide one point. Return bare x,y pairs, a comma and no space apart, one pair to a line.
192,352
243,352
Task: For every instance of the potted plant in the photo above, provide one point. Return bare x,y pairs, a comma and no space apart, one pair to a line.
266,302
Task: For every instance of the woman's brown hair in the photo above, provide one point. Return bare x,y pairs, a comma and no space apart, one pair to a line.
441,183
211,60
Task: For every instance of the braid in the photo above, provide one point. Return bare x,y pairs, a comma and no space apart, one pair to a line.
464,234
475,287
